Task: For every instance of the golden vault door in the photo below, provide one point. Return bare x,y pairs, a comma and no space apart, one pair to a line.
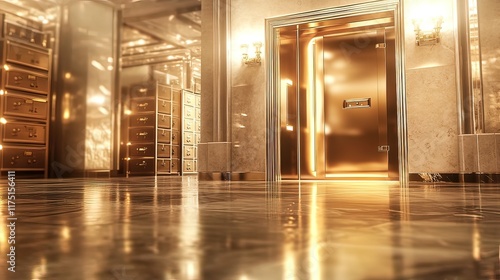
338,115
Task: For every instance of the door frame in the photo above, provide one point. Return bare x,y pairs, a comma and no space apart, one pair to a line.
273,170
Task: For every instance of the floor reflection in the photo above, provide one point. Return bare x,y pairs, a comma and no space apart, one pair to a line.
179,228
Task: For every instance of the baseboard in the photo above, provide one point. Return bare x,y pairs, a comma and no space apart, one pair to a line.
231,176
455,177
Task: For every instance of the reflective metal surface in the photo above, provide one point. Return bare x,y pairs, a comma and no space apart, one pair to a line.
344,119
173,228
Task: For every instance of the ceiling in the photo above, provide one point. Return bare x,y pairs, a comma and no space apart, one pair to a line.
153,30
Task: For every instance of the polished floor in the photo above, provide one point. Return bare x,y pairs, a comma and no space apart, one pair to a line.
179,228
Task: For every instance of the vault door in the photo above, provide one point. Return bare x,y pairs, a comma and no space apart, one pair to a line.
354,104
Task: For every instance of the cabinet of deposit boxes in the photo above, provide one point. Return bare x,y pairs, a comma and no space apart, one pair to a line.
24,96
163,130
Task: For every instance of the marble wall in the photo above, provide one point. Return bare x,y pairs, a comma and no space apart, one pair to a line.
480,153
488,11
431,91
430,77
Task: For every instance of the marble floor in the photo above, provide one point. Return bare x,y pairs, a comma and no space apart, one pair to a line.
179,228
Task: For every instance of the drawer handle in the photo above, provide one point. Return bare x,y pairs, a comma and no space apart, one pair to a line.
188,153
143,163
173,151
142,105
173,136
142,134
144,119
142,149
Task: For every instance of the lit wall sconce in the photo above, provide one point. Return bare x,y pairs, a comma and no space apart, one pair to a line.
427,31
256,60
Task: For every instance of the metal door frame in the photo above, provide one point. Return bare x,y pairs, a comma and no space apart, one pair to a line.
273,170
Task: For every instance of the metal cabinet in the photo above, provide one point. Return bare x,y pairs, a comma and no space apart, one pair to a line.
153,130
24,97
191,120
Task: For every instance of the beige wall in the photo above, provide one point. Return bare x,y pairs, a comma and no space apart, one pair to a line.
430,77
431,93
489,21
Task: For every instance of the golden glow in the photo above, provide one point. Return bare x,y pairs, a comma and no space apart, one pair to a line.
2,92
97,65
1,147
3,120
289,127
256,57
103,111
6,67
40,270
314,261
127,112
127,244
67,75
189,229
476,242
65,233
311,89
96,99
427,19
104,90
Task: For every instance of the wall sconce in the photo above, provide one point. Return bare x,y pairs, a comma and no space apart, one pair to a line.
256,60
427,31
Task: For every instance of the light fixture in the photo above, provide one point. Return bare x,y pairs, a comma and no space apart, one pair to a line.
256,60
427,31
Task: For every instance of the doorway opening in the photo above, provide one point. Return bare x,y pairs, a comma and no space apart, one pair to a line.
337,98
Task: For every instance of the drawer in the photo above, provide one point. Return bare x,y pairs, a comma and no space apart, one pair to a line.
176,151
23,158
27,56
24,105
26,35
176,95
164,106
197,114
197,98
176,123
142,105
143,90
163,165
189,125
164,121
141,134
141,165
189,112
141,150
189,152
189,99
188,138
197,127
164,92
175,137
164,150
164,135
174,166
197,138
24,133
26,81
176,110
189,166
143,120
